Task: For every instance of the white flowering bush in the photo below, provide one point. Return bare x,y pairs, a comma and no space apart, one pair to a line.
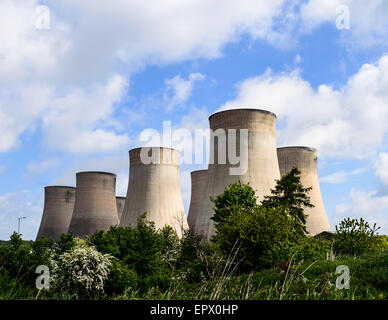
81,272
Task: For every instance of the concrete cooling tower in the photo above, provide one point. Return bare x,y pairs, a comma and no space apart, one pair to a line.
57,212
260,153
120,201
95,203
198,184
305,159
154,188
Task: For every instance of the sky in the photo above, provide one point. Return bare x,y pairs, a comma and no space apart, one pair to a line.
80,81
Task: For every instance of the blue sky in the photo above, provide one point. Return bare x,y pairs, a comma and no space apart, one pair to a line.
76,95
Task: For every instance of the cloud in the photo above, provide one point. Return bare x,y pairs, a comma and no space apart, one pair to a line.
181,89
341,176
40,167
117,164
381,168
349,122
368,19
365,204
75,120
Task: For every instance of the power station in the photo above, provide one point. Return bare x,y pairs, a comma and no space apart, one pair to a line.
95,203
198,184
242,148
306,160
58,209
257,148
154,189
120,202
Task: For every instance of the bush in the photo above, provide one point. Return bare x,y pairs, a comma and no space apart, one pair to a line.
262,236
356,237
81,272
20,258
149,253
121,277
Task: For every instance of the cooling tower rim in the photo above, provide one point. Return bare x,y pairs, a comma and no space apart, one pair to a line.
95,172
299,148
59,187
243,109
154,147
198,171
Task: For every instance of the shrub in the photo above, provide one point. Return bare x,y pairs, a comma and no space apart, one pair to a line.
149,253
20,258
81,272
121,277
262,235
356,237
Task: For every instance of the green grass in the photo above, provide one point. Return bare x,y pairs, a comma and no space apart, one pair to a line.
306,280
368,280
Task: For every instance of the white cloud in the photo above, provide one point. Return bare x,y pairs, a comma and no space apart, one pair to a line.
381,168
341,176
367,205
40,167
348,122
117,164
368,19
181,89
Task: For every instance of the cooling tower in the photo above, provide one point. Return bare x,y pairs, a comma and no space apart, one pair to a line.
154,188
198,184
261,166
57,211
95,203
120,201
305,159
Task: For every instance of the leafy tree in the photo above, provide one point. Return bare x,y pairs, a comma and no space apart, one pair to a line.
356,237
236,196
142,251
290,195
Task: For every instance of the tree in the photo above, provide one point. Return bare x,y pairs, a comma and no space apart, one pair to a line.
290,194
236,196
356,237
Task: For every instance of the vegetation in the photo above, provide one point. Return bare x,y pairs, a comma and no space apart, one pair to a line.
259,251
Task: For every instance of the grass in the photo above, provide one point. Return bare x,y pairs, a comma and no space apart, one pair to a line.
292,281
287,281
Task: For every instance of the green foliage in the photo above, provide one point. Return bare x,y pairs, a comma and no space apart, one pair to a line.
20,258
66,242
290,194
142,251
235,197
356,237
81,272
262,235
121,277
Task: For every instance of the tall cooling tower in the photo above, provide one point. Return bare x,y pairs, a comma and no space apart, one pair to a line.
95,203
120,201
57,212
262,165
154,188
198,184
305,159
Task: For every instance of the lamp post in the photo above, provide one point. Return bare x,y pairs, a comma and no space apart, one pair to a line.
20,218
